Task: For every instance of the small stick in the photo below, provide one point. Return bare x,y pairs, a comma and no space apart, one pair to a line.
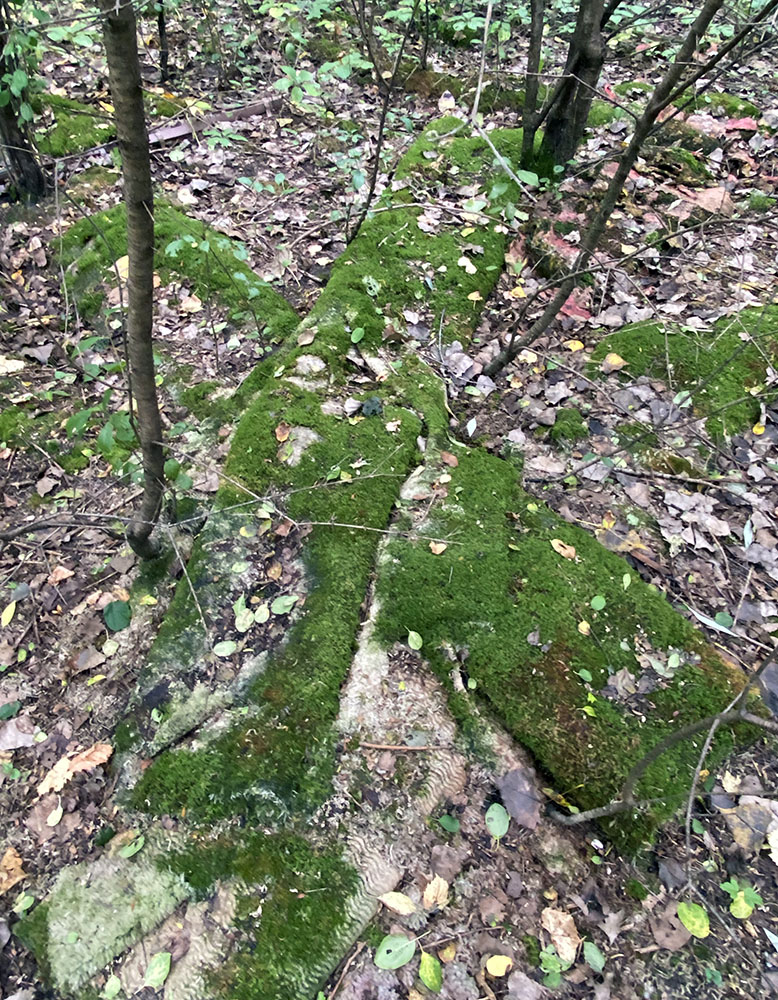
398,746
346,967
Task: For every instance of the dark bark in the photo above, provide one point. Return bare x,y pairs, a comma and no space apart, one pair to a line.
164,53
567,118
26,175
674,82
121,49
529,117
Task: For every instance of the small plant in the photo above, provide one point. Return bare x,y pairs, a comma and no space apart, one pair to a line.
552,967
744,898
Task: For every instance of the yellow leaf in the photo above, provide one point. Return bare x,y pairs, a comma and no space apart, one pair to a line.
612,363
448,954
8,612
758,429
574,345
398,902
436,893
562,548
437,547
468,231
584,628
122,267
498,965
528,357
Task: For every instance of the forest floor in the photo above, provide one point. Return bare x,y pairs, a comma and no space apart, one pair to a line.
692,509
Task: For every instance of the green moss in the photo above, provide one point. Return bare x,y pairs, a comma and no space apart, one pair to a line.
679,134
603,112
726,366
569,425
684,165
497,586
76,126
15,423
636,890
632,88
205,400
282,757
758,201
213,263
725,104
33,931
302,900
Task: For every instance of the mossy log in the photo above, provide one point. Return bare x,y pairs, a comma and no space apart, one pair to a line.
347,439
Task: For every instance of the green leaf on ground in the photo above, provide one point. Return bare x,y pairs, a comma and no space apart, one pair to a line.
497,820
117,615
284,604
431,972
695,919
395,951
415,641
158,970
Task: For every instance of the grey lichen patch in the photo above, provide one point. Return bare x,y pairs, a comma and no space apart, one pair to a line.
299,441
97,910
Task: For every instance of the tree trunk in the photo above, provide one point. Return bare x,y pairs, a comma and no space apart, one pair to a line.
26,175
567,118
529,117
121,49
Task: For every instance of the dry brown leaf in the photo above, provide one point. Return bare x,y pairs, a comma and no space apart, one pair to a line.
11,870
612,363
436,893
437,547
568,551
58,574
449,459
282,432
66,767
398,902
564,935
307,337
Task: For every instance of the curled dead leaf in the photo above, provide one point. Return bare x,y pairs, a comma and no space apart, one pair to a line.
562,930
398,902
562,548
436,894
282,432
11,870
612,363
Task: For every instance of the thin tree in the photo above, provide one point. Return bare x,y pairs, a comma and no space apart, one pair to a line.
26,174
121,49
682,74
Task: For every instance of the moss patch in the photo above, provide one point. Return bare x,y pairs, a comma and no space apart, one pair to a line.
726,366
213,263
303,894
569,425
76,126
282,758
502,592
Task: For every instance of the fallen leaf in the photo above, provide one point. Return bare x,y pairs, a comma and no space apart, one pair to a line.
307,336
562,548
66,767
562,930
667,929
398,902
448,459
282,432
467,264
11,870
498,965
191,304
612,363
574,345
521,796
45,485
435,894
437,547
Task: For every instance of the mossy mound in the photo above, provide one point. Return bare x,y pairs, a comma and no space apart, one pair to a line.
545,617
727,362
349,461
75,127
212,263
